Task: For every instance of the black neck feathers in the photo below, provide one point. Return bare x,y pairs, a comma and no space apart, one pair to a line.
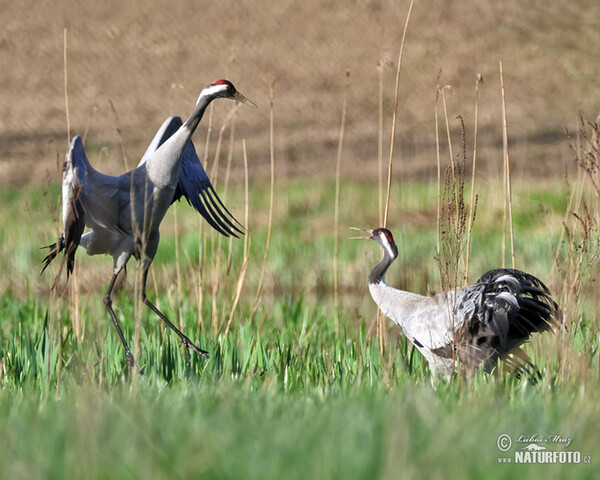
378,273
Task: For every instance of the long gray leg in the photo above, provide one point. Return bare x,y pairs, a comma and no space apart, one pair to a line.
184,340
108,303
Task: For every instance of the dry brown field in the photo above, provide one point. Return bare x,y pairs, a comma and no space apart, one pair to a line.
151,59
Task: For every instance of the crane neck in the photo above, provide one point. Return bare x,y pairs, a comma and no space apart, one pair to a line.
194,119
377,275
163,166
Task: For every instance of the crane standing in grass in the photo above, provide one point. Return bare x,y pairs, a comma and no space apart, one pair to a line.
472,326
124,213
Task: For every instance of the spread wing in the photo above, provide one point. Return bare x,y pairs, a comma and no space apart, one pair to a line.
102,198
194,183
89,198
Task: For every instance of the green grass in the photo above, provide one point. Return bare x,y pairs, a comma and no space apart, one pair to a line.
281,396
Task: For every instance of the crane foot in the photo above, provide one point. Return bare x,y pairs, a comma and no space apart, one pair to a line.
188,343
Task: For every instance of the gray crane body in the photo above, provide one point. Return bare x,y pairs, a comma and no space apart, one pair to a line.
428,322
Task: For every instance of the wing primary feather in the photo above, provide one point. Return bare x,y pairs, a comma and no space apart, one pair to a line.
201,206
226,210
217,206
223,227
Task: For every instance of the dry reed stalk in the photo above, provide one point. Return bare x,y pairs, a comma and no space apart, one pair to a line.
75,303
246,254
438,158
119,132
472,202
380,318
65,71
380,145
453,221
177,267
172,90
208,134
573,205
138,305
507,187
225,191
216,240
394,116
88,121
336,214
74,284
202,238
229,118
137,330
270,222
581,227
53,300
448,87
216,267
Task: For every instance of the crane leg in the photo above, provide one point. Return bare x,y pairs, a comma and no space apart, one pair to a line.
184,340
108,303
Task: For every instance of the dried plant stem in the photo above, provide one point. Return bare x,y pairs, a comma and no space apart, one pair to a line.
74,292
74,284
75,305
202,242
336,221
208,133
155,287
573,205
472,202
216,268
118,128
216,240
380,319
439,161
137,328
225,190
380,146
177,267
66,85
271,199
200,292
395,114
507,186
246,254
448,134
229,118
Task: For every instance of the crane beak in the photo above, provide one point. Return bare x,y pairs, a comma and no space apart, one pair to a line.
370,232
240,98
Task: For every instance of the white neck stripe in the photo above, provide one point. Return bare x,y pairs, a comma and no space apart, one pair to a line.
212,90
386,245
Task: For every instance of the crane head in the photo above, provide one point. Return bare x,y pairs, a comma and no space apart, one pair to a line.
382,236
224,89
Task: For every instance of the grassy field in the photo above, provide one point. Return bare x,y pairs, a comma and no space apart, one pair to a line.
295,387
281,395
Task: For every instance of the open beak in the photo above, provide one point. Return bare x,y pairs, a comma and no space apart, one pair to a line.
370,232
240,98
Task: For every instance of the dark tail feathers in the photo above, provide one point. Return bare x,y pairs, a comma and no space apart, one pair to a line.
54,250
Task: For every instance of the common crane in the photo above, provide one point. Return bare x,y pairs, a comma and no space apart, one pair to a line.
472,326
124,212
